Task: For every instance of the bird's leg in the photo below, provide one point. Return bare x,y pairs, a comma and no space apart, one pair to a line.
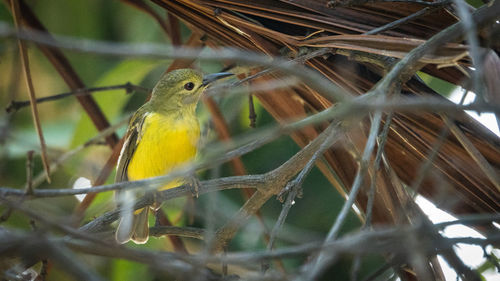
194,184
156,203
157,218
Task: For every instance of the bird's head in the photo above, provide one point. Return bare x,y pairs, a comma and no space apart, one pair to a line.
182,88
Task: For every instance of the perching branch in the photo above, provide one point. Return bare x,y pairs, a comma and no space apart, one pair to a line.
256,139
270,183
274,181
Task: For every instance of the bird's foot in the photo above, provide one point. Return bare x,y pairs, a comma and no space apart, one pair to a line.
194,185
156,203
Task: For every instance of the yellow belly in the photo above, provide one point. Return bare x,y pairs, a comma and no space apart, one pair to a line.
166,143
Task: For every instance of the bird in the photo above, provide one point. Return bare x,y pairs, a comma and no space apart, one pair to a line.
162,135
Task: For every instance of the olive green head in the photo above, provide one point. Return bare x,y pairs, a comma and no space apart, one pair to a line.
178,88
181,88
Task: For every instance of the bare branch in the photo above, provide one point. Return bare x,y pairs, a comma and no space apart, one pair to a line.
406,19
350,3
313,79
474,153
16,105
318,265
407,67
57,163
190,232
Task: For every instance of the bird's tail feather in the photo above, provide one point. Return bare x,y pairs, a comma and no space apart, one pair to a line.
138,231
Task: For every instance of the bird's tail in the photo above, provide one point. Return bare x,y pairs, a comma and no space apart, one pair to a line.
137,231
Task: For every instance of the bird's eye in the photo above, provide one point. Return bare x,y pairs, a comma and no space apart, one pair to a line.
189,86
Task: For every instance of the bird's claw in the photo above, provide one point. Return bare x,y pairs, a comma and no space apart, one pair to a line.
194,185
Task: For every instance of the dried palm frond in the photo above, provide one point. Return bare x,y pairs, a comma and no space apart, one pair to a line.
456,183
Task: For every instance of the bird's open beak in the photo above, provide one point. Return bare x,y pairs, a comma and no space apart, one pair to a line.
207,79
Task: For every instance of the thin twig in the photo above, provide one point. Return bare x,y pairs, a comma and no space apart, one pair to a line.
350,3
388,240
65,70
32,245
474,153
404,20
313,79
31,90
462,270
371,194
70,263
471,220
223,133
247,143
376,166
164,221
433,153
276,180
190,232
474,51
294,188
238,167
16,105
425,167
407,66
362,242
318,265
256,139
47,221
300,59
177,266
357,243
56,164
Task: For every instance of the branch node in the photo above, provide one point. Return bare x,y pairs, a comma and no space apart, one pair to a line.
129,88
294,186
13,106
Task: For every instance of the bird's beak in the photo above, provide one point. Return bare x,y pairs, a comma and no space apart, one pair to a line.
207,79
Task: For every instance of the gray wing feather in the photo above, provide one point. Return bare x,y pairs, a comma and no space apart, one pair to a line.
132,137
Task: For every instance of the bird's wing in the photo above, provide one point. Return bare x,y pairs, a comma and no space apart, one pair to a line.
126,229
132,138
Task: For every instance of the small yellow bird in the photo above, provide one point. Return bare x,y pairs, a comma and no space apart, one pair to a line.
162,135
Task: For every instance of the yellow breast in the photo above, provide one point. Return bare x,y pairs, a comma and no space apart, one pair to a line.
166,143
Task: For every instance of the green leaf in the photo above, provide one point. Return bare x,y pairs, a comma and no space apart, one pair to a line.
440,86
488,264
